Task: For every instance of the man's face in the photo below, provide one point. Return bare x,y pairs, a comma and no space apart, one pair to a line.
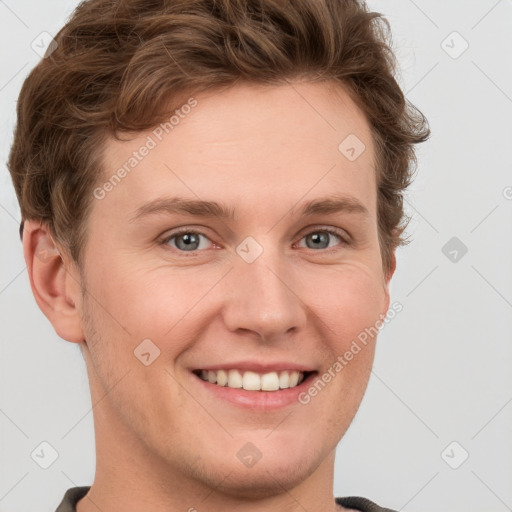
266,290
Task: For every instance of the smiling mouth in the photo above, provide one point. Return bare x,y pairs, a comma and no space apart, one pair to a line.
253,381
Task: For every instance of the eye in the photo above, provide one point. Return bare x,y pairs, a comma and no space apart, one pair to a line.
320,237
186,240
189,240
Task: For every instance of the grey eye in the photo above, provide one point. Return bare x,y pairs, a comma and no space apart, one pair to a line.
320,239
186,241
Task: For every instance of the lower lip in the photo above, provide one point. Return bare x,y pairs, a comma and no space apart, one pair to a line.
257,400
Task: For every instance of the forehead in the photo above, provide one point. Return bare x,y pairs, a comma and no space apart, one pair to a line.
294,140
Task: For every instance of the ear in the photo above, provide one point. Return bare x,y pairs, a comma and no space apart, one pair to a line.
54,279
388,274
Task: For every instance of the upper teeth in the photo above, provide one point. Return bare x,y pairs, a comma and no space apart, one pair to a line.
271,381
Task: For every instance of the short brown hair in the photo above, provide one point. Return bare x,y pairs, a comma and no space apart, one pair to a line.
120,66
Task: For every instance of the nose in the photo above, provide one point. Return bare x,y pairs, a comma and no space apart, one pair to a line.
263,297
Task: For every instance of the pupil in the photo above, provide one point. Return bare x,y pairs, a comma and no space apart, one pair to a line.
189,239
319,237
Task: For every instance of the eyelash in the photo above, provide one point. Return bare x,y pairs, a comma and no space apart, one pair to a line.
331,231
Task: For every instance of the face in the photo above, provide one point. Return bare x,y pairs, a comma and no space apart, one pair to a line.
177,291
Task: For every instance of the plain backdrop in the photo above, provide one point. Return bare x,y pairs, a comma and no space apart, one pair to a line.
433,431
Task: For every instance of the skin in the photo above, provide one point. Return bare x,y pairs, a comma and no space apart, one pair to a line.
162,441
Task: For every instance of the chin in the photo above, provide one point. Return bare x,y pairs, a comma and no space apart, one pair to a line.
276,470
263,482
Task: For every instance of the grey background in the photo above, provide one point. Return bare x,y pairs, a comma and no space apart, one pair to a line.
442,368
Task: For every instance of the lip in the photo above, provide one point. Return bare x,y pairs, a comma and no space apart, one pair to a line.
258,367
260,401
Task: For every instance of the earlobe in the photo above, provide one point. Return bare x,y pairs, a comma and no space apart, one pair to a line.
55,282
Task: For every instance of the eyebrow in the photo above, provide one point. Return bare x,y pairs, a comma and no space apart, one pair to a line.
329,205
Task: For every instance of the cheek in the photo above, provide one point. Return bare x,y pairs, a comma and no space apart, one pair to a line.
167,306
347,300
144,302
119,313
355,305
